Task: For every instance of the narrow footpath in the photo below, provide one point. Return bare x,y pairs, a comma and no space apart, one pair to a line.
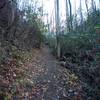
54,81
39,76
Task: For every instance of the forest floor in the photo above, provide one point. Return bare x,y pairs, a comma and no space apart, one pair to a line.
40,77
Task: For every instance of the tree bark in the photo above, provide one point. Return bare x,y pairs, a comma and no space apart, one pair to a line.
81,15
57,28
86,3
75,20
93,5
70,8
67,16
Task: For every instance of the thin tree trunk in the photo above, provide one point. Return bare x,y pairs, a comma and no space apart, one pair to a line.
99,4
86,3
48,24
67,16
70,8
81,15
75,20
93,5
57,28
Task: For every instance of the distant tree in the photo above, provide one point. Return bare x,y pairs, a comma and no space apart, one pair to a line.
67,16
75,17
93,5
81,14
86,3
70,12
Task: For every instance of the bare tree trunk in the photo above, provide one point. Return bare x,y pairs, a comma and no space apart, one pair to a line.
81,15
67,16
48,25
99,4
93,5
75,20
70,8
86,3
57,28
11,14
42,8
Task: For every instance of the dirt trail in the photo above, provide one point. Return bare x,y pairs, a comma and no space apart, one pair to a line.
56,82
40,77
